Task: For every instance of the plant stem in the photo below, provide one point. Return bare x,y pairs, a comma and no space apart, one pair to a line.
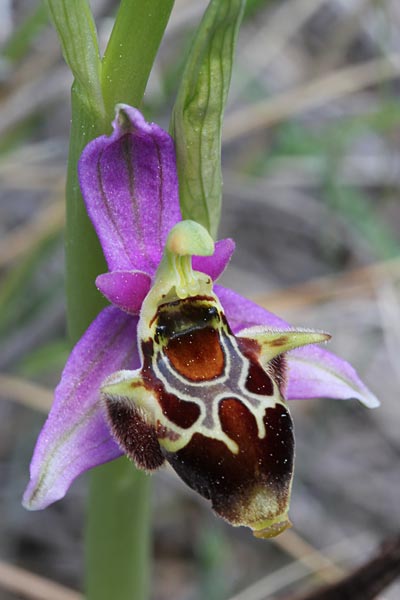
131,50
83,254
117,542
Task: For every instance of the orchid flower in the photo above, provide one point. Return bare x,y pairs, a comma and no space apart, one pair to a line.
178,369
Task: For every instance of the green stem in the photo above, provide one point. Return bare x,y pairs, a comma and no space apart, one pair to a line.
117,549
131,50
117,542
84,257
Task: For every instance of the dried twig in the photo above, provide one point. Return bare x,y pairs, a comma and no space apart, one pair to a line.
355,282
32,587
26,237
297,547
366,582
310,561
34,96
25,392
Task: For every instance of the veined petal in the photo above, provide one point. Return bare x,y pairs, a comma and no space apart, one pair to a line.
130,187
75,436
125,289
316,373
312,371
215,265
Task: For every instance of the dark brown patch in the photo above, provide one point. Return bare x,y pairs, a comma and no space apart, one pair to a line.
258,381
230,480
174,316
249,348
275,368
137,438
148,352
225,322
181,412
197,355
279,441
280,341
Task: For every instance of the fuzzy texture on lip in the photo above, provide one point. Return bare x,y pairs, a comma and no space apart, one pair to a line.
130,188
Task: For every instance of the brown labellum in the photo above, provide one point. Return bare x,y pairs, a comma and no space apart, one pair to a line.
210,402
252,486
218,416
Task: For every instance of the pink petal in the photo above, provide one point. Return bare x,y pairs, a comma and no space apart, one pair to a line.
312,371
75,436
130,187
125,289
215,265
317,373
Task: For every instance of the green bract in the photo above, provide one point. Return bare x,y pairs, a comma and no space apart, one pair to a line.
197,116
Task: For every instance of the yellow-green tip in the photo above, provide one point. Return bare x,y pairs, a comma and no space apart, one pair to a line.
271,527
188,238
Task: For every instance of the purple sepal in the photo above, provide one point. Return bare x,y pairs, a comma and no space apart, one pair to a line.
312,371
215,265
125,289
75,436
130,187
316,373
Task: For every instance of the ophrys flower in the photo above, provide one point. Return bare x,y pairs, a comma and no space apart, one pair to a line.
178,369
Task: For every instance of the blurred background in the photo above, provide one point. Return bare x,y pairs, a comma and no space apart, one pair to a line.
311,162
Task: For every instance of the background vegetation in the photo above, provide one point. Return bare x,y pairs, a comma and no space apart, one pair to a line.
311,195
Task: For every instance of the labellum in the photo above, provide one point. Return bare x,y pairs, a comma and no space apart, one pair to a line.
207,401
